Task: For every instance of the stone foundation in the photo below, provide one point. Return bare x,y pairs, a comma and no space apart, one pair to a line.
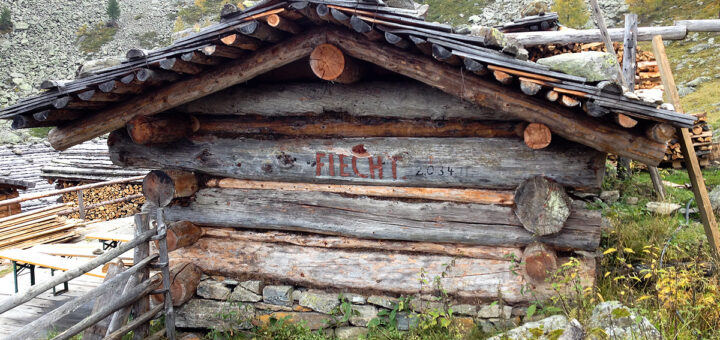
224,304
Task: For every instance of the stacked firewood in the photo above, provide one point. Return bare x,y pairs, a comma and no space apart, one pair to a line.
104,194
701,135
36,227
647,75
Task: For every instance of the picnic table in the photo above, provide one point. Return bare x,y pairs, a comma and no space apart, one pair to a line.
109,240
29,259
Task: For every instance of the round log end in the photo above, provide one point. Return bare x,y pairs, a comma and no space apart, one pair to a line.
542,206
158,188
273,20
625,121
539,261
537,136
184,280
327,62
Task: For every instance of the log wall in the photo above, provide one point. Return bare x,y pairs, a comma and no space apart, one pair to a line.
424,162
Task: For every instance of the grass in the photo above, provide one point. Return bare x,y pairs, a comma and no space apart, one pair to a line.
5,271
91,38
448,11
198,12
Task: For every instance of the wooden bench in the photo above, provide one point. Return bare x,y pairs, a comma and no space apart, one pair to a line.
109,240
27,259
83,250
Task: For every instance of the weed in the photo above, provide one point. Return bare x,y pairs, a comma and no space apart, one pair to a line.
91,38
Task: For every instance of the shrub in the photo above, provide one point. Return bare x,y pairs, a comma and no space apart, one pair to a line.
91,38
113,11
5,20
572,13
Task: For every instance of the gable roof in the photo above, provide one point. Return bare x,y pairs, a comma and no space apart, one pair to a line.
392,38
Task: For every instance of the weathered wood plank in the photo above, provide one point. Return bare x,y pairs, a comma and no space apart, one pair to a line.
407,99
374,271
497,163
363,217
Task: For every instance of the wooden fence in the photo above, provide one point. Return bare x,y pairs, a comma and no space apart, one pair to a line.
127,291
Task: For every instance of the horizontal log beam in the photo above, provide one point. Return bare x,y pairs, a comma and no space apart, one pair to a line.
192,88
405,99
336,242
363,217
436,194
495,163
331,126
566,123
593,35
368,271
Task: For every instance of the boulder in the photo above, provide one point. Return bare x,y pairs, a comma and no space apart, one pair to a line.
91,66
243,295
699,80
350,333
662,208
610,196
354,298
494,311
361,315
470,310
312,321
211,314
593,66
715,198
211,289
621,323
278,295
382,301
318,301
253,286
544,329
406,321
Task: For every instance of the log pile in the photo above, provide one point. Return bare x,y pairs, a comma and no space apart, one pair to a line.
647,73
701,135
104,194
36,227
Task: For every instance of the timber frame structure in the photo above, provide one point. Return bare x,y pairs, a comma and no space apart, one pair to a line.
348,145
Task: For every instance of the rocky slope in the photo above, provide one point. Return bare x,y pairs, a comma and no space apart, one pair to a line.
43,42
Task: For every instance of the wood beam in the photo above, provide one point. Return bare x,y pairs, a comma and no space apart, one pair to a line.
187,90
161,186
566,123
164,128
691,162
537,136
329,63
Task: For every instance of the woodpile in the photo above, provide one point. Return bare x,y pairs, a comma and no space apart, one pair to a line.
647,74
36,227
701,135
103,194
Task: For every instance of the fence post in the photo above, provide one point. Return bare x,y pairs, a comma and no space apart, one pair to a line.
164,262
142,306
81,205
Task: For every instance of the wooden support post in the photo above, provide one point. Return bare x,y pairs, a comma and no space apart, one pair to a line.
142,306
691,162
164,261
81,205
330,63
185,278
600,21
97,330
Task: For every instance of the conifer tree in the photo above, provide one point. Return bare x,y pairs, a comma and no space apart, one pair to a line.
113,11
5,20
572,13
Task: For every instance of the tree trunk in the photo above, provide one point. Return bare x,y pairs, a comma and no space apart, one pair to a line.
363,217
182,234
539,262
497,163
537,136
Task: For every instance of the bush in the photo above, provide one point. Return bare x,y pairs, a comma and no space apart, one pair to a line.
572,13
113,11
5,20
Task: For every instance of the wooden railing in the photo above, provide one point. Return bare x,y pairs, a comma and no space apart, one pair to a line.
129,289
82,208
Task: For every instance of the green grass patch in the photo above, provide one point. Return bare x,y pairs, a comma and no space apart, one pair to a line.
194,14
40,132
5,271
449,11
91,38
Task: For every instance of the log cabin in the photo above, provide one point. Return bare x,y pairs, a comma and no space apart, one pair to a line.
351,147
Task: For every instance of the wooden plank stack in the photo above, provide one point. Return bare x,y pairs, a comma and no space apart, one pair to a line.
10,209
103,194
701,135
36,227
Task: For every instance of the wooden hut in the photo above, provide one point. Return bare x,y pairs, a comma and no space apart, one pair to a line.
356,148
